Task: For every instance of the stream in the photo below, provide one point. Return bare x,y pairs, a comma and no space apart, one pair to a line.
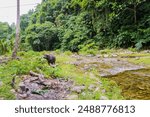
135,84
134,80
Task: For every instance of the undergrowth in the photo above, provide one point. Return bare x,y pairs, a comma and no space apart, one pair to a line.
34,61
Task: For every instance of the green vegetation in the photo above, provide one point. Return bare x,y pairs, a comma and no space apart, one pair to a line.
84,26
6,37
141,61
140,58
89,25
34,61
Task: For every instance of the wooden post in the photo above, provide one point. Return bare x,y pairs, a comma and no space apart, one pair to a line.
17,41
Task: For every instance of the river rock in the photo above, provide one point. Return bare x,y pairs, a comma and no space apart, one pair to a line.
92,76
90,55
137,58
103,91
141,88
99,56
1,83
106,55
78,89
1,98
72,97
13,91
23,95
86,67
103,98
114,55
22,86
32,79
146,51
91,87
83,93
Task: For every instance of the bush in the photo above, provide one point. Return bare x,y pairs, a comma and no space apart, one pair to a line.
5,46
42,36
90,48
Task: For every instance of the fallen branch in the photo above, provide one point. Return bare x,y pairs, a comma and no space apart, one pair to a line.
34,74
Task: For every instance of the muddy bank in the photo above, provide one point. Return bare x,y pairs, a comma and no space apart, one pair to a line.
135,84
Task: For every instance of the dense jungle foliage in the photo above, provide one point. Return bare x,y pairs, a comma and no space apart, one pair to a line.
82,25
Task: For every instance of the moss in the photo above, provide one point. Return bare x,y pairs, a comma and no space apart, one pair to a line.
107,51
134,55
144,60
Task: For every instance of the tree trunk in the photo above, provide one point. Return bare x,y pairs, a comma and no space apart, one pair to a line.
135,13
17,41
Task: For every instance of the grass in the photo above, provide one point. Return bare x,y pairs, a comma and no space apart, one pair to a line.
138,58
34,61
144,60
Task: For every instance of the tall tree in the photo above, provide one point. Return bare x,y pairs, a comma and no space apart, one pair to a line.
17,41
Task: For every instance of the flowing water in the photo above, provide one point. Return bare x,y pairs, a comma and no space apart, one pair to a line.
134,80
135,84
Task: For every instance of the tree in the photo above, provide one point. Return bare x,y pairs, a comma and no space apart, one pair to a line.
42,36
5,30
78,24
17,41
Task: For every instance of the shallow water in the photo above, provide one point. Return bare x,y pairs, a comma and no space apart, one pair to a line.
134,80
135,84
